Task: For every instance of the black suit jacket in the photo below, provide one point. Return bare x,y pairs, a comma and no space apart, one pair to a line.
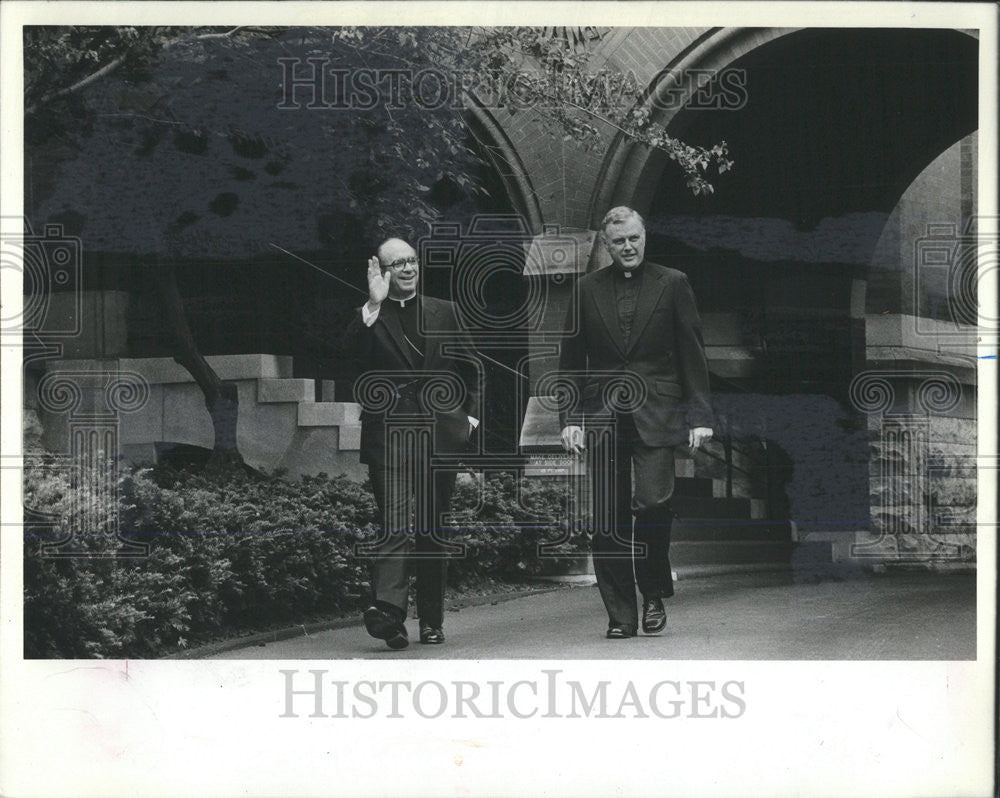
394,382
661,376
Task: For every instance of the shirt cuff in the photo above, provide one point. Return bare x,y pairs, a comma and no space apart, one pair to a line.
367,316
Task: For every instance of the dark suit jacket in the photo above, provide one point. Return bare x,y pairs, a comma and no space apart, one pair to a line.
663,369
444,386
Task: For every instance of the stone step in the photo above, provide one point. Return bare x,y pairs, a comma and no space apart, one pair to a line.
819,560
725,529
688,507
714,552
329,414
349,437
693,487
273,391
160,370
813,553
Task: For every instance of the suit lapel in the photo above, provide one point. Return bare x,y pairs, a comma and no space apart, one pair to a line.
649,295
604,298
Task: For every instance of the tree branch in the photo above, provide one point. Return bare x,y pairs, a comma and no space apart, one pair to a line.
110,67
225,35
107,69
150,119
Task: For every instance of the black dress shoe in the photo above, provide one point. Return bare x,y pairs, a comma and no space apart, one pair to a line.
431,634
654,617
384,626
620,632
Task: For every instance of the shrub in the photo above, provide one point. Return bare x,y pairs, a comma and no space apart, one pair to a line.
234,551
511,528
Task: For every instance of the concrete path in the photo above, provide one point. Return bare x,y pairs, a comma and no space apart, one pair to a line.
762,616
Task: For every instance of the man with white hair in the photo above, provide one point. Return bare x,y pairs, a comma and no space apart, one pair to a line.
636,364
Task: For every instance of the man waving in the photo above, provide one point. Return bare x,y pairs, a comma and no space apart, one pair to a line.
412,352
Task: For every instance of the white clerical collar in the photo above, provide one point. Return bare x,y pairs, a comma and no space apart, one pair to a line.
402,302
628,274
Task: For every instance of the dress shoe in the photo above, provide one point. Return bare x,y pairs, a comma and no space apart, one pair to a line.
654,617
431,634
384,626
620,632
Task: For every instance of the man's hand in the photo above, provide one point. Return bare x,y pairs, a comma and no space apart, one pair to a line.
378,284
572,439
699,436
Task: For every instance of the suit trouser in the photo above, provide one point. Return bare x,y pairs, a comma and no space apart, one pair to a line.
618,546
405,497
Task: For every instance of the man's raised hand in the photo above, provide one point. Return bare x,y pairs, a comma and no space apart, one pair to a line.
572,439
699,436
378,283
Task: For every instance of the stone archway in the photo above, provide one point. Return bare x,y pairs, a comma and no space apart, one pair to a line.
507,163
813,290
624,172
626,169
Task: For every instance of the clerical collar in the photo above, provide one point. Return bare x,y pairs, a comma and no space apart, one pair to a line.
630,273
402,302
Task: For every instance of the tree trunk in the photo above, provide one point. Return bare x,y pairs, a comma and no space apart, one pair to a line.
221,398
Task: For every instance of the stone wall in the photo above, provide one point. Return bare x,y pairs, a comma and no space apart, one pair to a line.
923,481
153,403
919,381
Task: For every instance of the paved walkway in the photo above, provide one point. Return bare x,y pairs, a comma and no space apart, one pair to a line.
757,616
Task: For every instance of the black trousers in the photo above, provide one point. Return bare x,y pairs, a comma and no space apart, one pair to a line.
411,501
627,552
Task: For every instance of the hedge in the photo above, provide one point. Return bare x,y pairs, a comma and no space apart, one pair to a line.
238,551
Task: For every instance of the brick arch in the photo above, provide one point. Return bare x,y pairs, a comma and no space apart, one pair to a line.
628,175
508,164
624,175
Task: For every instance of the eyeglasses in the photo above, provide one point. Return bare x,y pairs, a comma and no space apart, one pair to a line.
413,260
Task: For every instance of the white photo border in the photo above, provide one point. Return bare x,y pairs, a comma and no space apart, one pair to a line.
211,728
